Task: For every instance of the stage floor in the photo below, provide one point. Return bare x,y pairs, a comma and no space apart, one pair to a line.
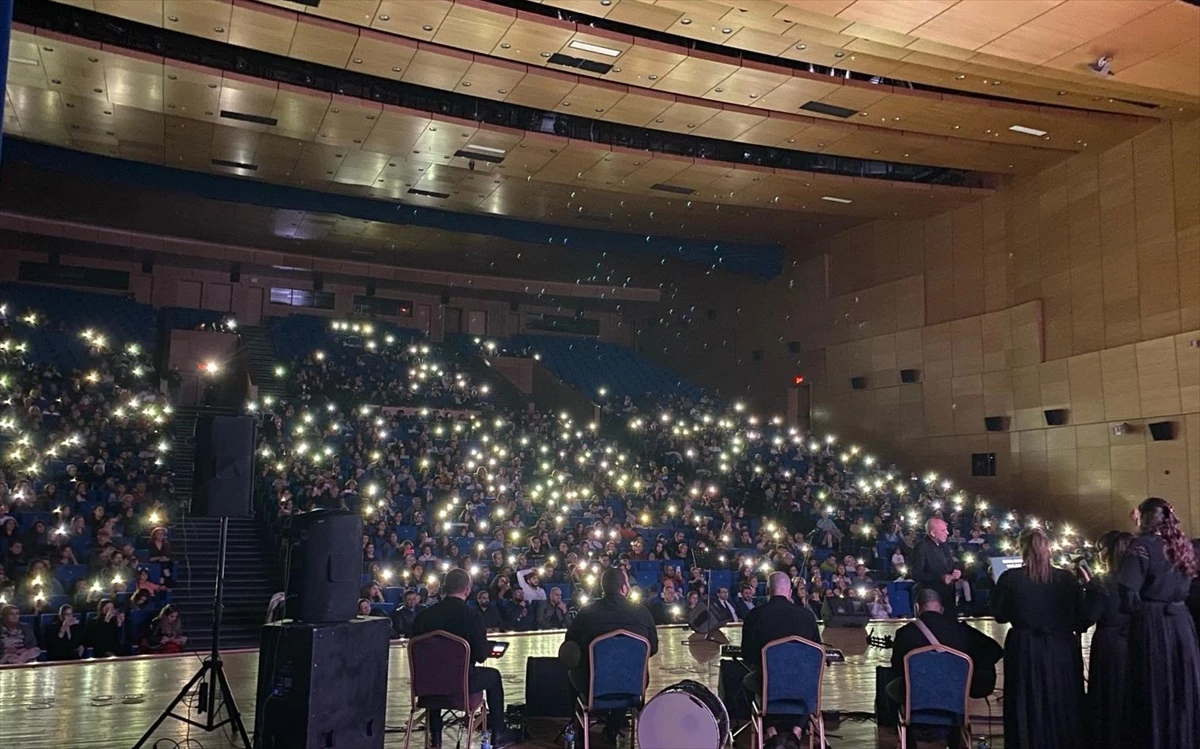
109,703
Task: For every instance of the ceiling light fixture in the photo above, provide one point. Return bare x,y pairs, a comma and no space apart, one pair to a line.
832,199
595,49
25,61
1027,130
487,149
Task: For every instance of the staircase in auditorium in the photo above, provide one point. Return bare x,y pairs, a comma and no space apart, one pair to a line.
251,578
263,360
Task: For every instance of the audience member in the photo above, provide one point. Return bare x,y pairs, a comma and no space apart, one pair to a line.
17,639
63,637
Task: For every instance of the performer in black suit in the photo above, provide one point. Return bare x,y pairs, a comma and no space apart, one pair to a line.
452,615
1043,660
1164,659
933,564
1110,645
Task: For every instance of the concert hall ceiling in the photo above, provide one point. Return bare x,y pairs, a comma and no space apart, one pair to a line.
772,123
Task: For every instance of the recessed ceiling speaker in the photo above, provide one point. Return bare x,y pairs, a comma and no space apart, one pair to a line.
908,375
993,423
858,383
1055,417
1161,430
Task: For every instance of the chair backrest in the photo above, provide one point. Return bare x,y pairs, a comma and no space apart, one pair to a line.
937,678
439,665
792,669
620,665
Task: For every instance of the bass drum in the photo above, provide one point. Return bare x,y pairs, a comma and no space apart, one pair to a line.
686,715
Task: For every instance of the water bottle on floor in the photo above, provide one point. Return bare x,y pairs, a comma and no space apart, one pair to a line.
569,737
981,742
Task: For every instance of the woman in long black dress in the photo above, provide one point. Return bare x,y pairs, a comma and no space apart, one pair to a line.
1043,660
1164,658
1106,667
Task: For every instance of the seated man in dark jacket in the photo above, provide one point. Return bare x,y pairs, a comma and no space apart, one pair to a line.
932,621
452,615
492,621
403,616
778,617
610,612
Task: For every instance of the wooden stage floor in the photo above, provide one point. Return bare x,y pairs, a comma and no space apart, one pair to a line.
109,703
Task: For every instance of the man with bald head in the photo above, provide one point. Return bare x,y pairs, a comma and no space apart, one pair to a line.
778,617
933,564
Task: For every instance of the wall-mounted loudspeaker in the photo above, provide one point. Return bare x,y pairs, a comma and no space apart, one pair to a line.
908,375
318,282
235,273
1161,430
514,306
793,347
370,288
756,354
993,423
445,297
147,266
1055,417
858,383
711,314
1119,430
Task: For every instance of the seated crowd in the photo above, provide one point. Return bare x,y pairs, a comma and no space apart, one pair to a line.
696,499
85,493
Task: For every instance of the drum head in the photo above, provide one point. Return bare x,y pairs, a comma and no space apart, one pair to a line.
677,720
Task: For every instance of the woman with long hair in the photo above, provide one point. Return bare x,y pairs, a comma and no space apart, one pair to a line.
1110,644
1164,659
1043,660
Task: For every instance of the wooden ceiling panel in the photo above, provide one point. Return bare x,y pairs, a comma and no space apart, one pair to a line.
775,131
356,12
135,10
693,76
642,61
203,18
731,124
299,113
249,97
494,81
900,16
542,89
382,55
1175,69
700,174
643,15
682,117
618,43
441,139
747,85
474,28
613,168
396,132
428,68
361,168
348,122
638,107
660,170
323,42
571,160
416,20
796,91
704,28
528,37
592,99
757,40
263,28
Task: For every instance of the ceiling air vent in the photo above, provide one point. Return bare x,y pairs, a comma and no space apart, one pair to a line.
256,119
673,188
234,164
567,61
428,193
468,153
829,109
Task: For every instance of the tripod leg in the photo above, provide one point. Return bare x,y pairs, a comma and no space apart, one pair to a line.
231,707
178,698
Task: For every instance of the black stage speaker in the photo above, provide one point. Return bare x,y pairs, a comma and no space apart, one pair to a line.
732,691
983,464
547,690
148,265
844,612
1055,417
235,273
885,710
993,423
908,375
325,566
514,305
224,471
318,282
858,383
793,347
445,297
1161,430
322,685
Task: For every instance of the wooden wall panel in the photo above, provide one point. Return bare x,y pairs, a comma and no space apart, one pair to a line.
1158,285
1118,241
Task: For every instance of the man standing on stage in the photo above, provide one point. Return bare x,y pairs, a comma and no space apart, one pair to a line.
933,565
